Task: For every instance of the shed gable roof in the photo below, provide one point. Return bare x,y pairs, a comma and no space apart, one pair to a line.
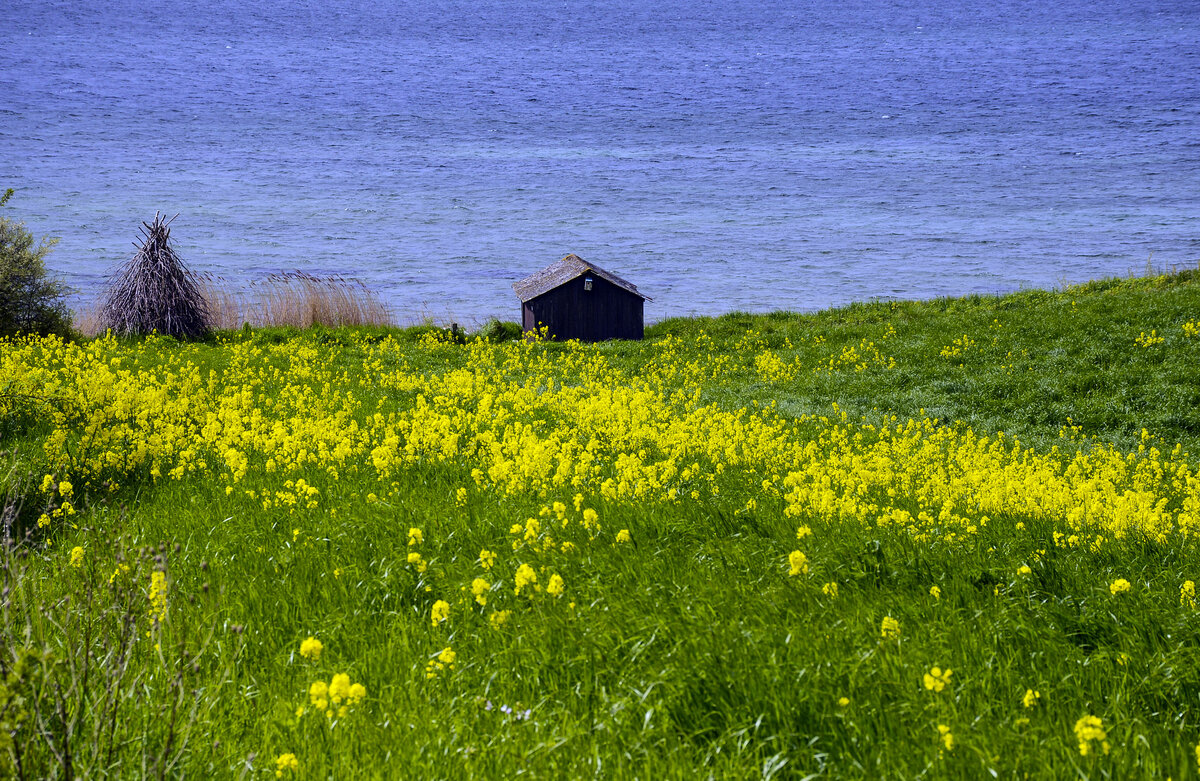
564,271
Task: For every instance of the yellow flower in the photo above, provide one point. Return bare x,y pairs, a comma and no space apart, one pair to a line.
623,536
889,629
843,702
533,527
440,663
525,577
415,559
286,762
555,587
480,588
1031,697
1118,586
487,559
798,563
1187,592
77,556
830,589
945,737
311,648
158,596
440,612
499,618
65,489
935,592
936,679
803,532
1150,340
1024,570
338,692
1090,728
339,688
415,537
318,694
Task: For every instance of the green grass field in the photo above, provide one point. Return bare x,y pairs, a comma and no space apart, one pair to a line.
947,539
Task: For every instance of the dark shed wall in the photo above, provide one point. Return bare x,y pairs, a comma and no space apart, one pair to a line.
604,312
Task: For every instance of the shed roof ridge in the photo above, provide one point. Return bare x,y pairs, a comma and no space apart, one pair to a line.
562,271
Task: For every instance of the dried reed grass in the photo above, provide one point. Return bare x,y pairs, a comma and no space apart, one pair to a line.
302,300
291,299
86,321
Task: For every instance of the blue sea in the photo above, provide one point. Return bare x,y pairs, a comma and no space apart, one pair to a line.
737,155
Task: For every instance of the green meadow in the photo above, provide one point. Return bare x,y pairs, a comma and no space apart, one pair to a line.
940,539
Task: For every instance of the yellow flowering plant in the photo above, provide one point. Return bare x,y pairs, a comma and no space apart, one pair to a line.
479,590
937,679
442,662
440,612
286,763
310,648
797,563
337,697
1090,729
525,578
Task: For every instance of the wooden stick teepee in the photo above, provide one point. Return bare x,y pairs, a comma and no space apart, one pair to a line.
154,291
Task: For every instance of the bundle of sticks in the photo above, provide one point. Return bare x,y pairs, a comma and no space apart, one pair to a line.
154,291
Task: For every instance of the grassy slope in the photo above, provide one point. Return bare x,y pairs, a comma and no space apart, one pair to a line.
1055,355
690,648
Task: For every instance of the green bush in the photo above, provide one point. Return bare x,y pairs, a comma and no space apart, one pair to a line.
496,331
30,300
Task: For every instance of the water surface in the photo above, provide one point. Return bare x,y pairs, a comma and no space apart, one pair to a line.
734,155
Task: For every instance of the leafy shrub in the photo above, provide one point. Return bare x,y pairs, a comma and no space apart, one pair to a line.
30,300
496,331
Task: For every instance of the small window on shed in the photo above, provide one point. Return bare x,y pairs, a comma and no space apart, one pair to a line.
587,283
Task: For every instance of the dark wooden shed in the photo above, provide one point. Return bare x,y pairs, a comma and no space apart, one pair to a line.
575,299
